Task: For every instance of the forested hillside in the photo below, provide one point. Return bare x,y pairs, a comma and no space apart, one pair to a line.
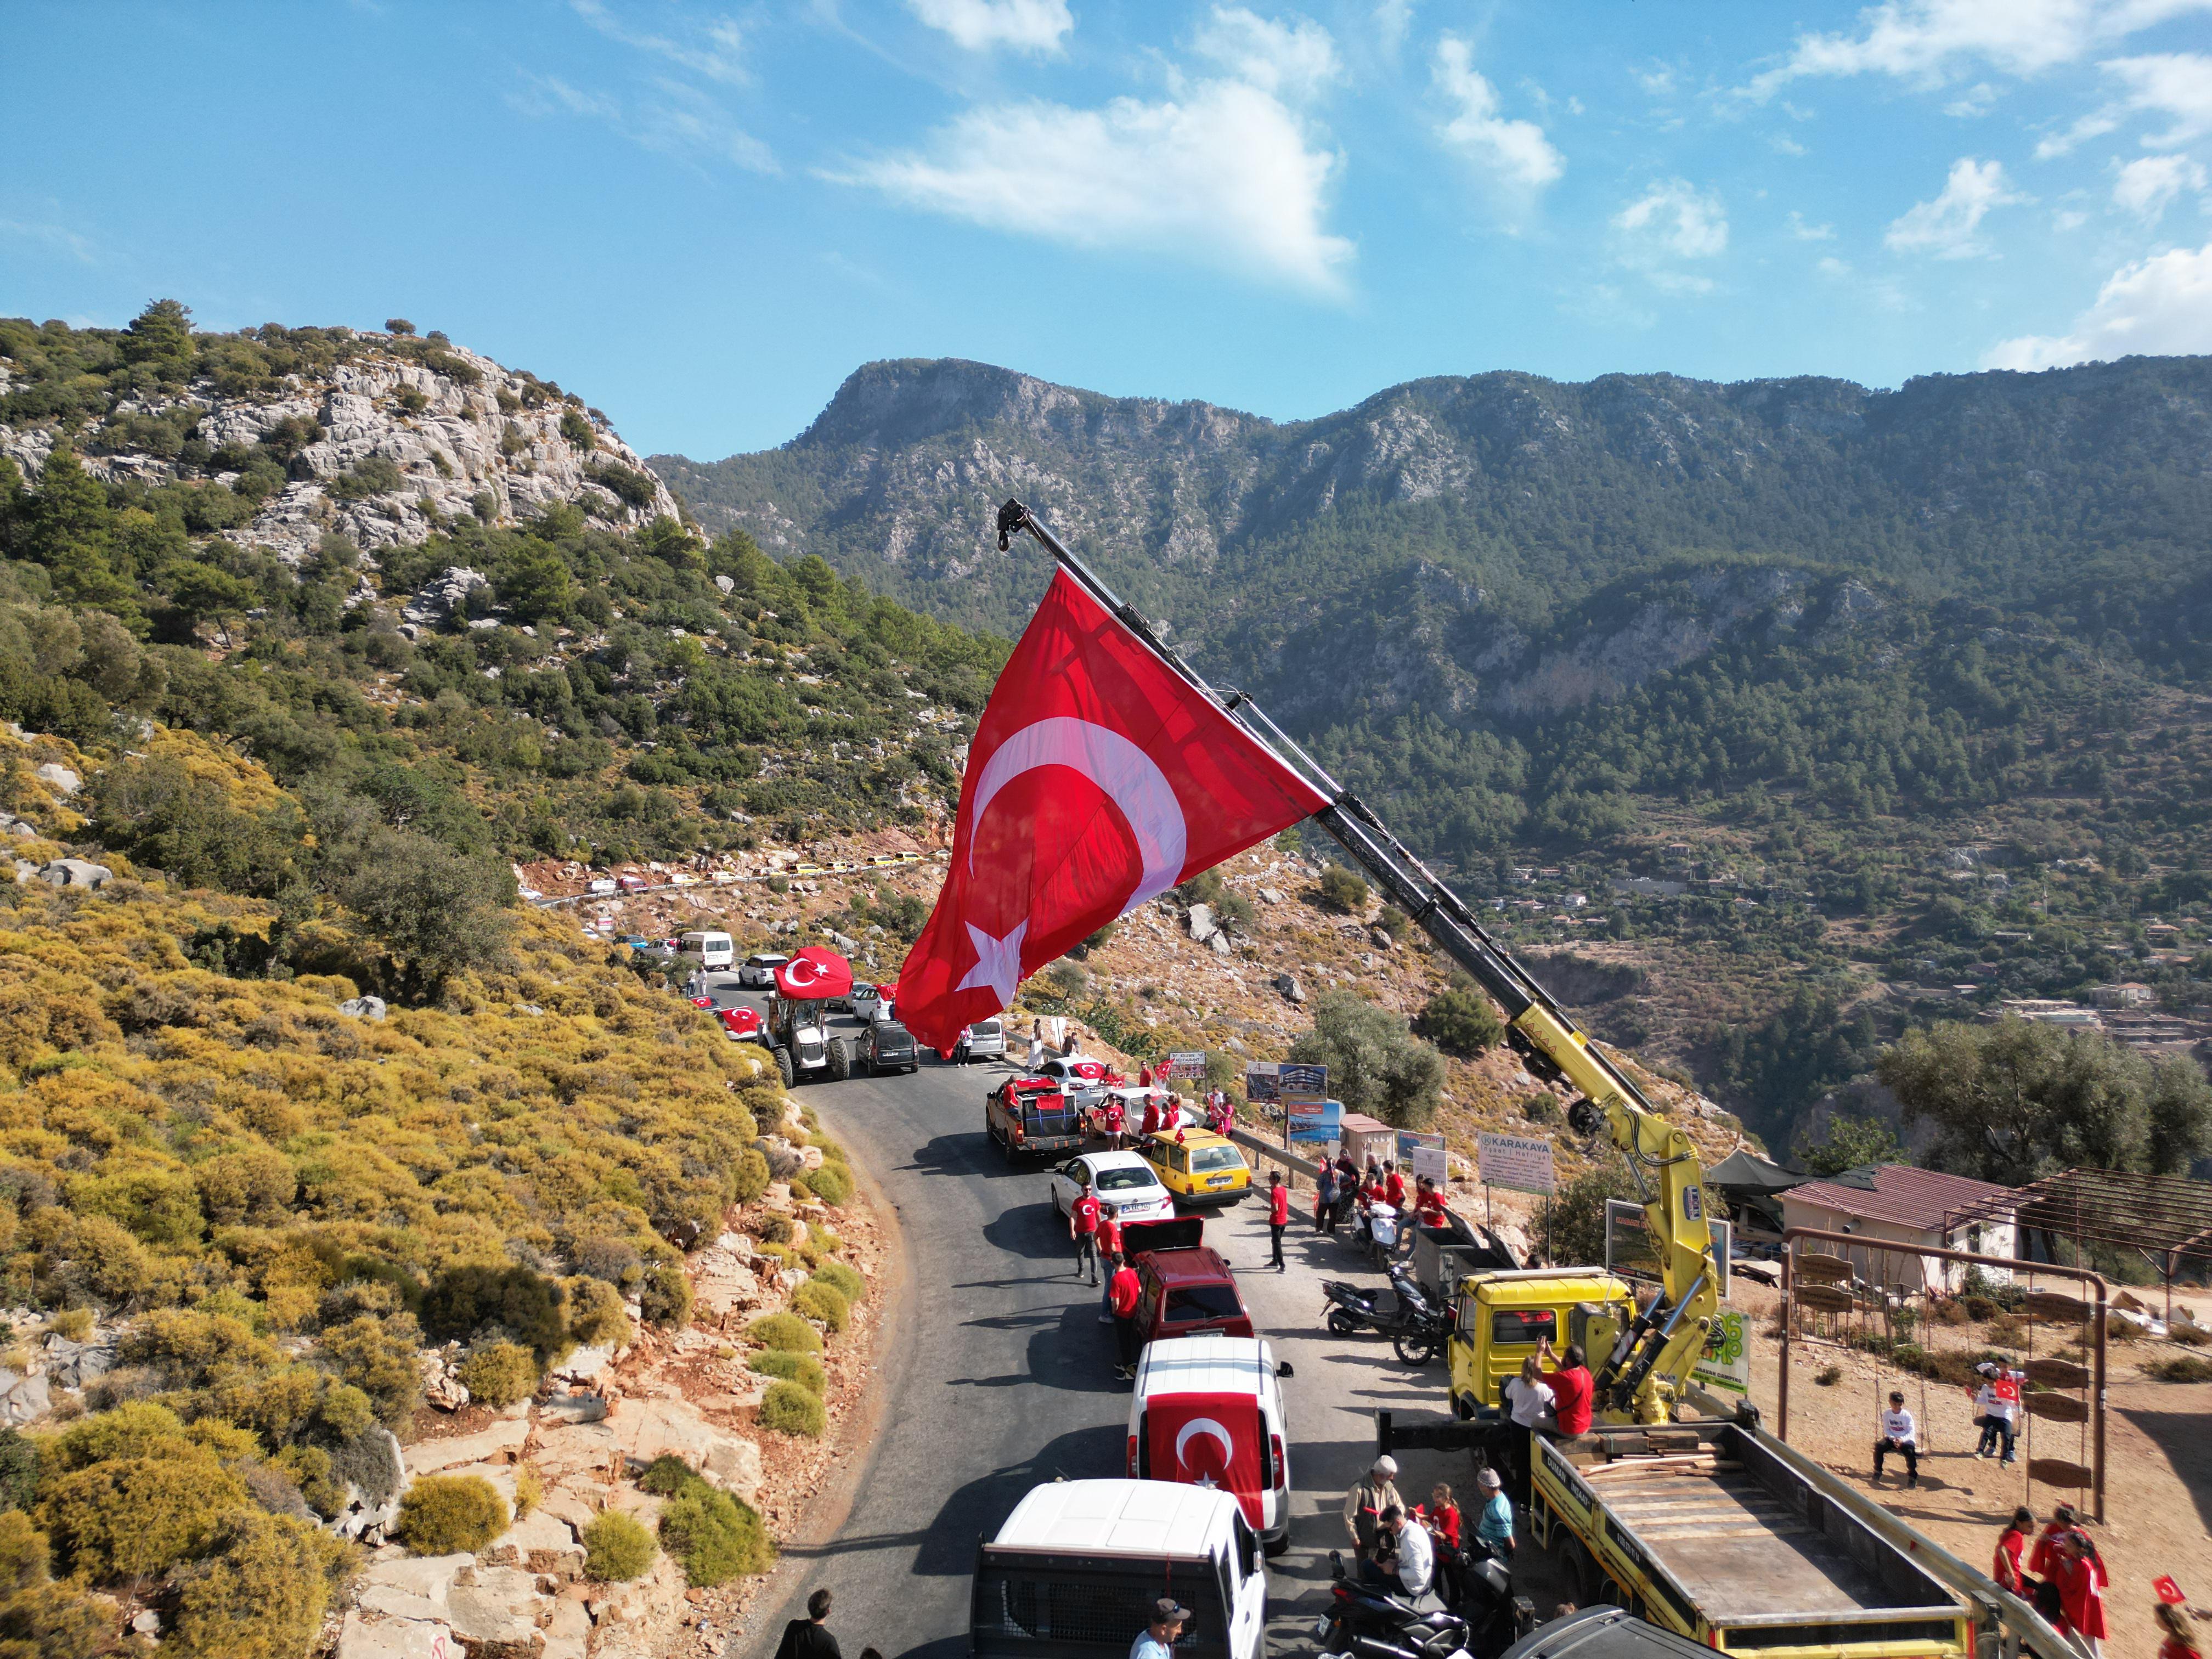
1818,708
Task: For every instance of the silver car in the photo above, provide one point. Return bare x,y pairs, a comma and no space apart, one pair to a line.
987,1040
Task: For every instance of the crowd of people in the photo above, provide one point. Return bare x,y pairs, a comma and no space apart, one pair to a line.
1345,1189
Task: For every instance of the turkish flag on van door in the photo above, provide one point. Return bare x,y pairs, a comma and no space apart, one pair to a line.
1099,778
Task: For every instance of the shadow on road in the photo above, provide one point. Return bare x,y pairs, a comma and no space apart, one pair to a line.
967,1154
1034,1231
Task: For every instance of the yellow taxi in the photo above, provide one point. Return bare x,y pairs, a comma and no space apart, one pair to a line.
1202,1169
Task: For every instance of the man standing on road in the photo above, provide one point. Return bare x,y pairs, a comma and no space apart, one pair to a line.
1037,1047
1365,1504
1572,1388
1325,1198
1163,1633
1278,1216
806,1638
1083,1228
1110,1252
1123,1291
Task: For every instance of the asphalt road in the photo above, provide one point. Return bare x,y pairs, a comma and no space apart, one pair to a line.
1002,1378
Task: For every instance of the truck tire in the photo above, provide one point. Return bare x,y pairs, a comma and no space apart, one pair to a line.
841,1061
783,1065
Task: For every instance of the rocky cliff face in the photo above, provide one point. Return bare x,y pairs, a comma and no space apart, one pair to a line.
384,446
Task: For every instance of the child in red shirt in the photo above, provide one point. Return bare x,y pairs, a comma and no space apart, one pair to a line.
2007,1569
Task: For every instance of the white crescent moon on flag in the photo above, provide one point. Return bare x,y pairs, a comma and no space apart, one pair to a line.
1124,772
793,976
1204,1425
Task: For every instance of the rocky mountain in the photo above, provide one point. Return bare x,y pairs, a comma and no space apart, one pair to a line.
383,437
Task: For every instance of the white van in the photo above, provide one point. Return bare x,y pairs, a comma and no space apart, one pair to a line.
1078,1565
710,951
1208,1410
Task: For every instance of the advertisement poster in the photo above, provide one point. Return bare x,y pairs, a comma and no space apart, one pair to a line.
1516,1163
1262,1081
1421,1154
1186,1067
1310,1115
1726,1363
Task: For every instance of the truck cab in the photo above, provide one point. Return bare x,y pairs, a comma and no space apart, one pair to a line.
1499,1319
798,1037
1075,1571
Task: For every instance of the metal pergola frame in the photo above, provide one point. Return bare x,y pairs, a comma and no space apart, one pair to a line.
2165,1220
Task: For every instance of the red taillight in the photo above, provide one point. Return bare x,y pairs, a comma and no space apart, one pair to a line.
1133,1457
1276,1459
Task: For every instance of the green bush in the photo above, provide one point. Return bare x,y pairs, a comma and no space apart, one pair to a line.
446,1514
529,1489
596,1314
134,1517
790,1409
816,1300
527,1306
751,1178
263,1595
713,1535
665,1298
830,1183
19,1470
616,1547
665,1474
312,1471
1460,1022
1342,891
803,1369
785,1331
39,1618
847,1281
499,1374
377,1356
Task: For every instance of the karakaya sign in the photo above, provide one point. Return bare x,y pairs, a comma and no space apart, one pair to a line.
1516,1163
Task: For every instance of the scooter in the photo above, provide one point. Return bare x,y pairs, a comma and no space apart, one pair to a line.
1417,1330
1382,1234
1367,1621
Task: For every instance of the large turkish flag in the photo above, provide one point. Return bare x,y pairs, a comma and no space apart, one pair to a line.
1099,778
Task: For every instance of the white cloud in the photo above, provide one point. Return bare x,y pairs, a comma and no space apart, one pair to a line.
2147,188
676,120
1658,80
1224,175
1291,60
1946,226
1392,20
1806,232
1672,219
980,25
52,235
1924,40
2156,306
1514,152
1783,144
1832,266
2176,84
714,49
1975,102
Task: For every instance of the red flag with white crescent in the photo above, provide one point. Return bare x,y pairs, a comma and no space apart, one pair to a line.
813,972
1098,779
1208,1440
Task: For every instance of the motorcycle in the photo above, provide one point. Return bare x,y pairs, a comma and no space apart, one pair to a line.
1417,1330
1381,1230
1369,1622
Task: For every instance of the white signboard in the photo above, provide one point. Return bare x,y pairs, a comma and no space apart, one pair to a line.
1516,1163
1191,1065
1430,1163
1726,1363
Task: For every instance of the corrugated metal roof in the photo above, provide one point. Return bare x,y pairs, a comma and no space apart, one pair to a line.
1902,1195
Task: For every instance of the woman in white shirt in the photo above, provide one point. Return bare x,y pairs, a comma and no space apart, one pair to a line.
1529,1402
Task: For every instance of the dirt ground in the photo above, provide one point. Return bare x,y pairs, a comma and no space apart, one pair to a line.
2158,1482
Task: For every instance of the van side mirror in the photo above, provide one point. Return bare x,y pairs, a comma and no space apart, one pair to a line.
1283,1369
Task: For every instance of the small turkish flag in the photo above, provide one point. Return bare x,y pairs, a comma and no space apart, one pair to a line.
812,972
1099,778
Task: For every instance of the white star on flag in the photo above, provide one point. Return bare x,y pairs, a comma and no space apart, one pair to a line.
998,962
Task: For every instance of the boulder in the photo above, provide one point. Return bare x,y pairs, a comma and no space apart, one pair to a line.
1203,926
583,1364
541,1542
571,1408
409,1586
497,1445
1288,985
576,1449
570,1634
648,1429
1381,938
23,1399
1271,895
72,1364
362,1008
1217,942
362,1637
59,779
74,872
497,1608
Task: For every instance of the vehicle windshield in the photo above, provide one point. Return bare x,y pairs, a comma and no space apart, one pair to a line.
984,1028
1216,1158
864,989
1191,1302
1125,1180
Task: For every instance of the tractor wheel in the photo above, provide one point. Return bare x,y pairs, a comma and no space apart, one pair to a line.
783,1065
841,1061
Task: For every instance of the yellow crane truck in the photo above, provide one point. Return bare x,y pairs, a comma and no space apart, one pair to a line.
1704,1525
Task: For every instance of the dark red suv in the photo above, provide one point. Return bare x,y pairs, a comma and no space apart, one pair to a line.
1185,1288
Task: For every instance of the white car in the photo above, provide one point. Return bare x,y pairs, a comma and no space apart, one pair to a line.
1081,1079
1124,1180
1176,1111
864,1002
759,971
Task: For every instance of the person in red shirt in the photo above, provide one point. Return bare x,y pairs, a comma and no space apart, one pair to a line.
1151,1116
1113,1118
1125,1293
1083,1228
1428,1203
1110,1252
2007,1569
1572,1389
1394,1185
1278,1216
2078,1574
2044,1556
2180,1642
1144,1077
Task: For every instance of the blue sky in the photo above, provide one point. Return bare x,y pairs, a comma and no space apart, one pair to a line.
703,217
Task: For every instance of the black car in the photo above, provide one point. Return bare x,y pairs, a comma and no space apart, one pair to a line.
888,1046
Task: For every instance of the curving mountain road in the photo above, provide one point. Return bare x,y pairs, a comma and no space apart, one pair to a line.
997,1376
